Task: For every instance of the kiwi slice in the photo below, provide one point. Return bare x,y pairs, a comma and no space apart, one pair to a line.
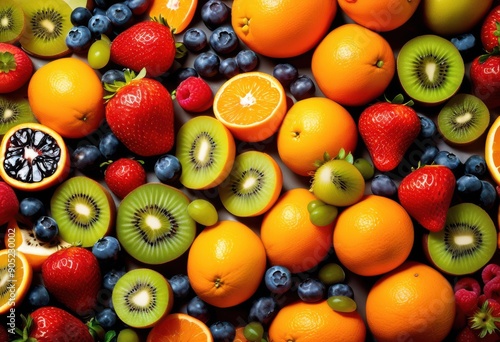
430,69
47,25
463,119
83,209
253,185
141,297
467,242
153,224
206,151
12,21
13,111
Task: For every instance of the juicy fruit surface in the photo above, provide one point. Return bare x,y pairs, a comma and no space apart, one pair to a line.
180,327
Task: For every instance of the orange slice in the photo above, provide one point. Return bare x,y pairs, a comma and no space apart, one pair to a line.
177,13
180,327
251,105
15,278
492,150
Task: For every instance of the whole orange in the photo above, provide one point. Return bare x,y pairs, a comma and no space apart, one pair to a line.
414,302
314,322
226,263
67,95
289,237
312,127
381,15
353,65
373,236
282,28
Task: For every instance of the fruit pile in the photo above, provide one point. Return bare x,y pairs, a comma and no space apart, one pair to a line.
249,170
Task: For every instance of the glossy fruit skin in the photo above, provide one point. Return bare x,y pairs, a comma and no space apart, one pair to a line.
17,69
428,155
111,148
222,331
428,127
263,310
215,13
488,195
180,285
197,308
9,204
302,88
286,73
106,248
181,74
311,290
80,16
32,208
119,14
340,289
168,169
138,7
207,64
485,78
475,165
124,175
450,160
87,160
106,318
195,39
278,279
223,40
194,95
426,194
110,278
490,29
229,67
38,296
383,185
247,60
45,228
100,24
79,38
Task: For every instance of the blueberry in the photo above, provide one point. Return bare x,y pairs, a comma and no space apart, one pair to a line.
110,278
311,290
106,318
302,88
428,155
449,160
104,4
467,44
32,208
468,184
286,73
197,308
119,14
112,75
168,169
79,38
427,127
475,165
263,310
181,74
229,67
222,331
383,185
487,196
80,16
247,60
98,10
106,248
214,13
100,24
180,285
138,7
87,159
207,64
340,289
278,279
195,39
110,147
224,40
45,228
38,296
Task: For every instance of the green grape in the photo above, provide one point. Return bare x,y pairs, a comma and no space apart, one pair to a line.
106,38
314,204
203,212
127,335
253,331
98,54
365,167
331,273
323,215
342,303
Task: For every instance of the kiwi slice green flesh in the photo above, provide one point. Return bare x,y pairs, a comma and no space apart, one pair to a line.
466,243
141,297
430,69
206,151
463,119
153,224
12,21
83,209
47,25
253,185
14,111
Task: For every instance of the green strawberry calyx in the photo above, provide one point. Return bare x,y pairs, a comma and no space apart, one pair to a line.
496,33
343,155
399,99
7,62
113,88
180,48
494,52
23,333
484,320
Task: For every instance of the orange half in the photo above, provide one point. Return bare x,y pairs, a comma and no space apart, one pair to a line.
15,278
251,105
492,150
178,13
180,327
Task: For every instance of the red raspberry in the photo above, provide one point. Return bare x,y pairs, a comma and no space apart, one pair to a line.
194,95
489,272
124,175
466,300
9,204
492,289
469,284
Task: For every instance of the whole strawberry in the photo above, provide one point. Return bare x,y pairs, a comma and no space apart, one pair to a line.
485,78
490,29
72,276
53,324
426,194
147,44
9,204
388,129
194,95
15,68
140,113
124,175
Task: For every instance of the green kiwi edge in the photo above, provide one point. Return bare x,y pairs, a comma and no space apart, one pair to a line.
14,110
12,22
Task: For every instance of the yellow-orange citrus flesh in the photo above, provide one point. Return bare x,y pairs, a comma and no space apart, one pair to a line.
15,278
179,327
178,14
492,150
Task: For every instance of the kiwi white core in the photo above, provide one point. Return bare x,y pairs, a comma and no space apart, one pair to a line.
463,240
153,222
141,298
430,70
82,209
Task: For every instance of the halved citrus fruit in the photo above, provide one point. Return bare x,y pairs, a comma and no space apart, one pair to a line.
251,105
180,327
15,278
33,157
178,14
492,150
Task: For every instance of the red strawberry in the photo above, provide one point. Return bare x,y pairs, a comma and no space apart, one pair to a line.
9,204
194,95
72,276
52,324
426,195
15,68
140,112
490,29
147,44
485,78
485,321
388,129
124,175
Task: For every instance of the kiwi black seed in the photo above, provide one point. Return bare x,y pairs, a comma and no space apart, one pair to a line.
153,224
430,69
466,243
13,111
253,185
12,21
83,209
463,119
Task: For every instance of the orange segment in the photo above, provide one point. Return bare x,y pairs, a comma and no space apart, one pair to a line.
179,327
251,105
177,13
492,150
15,278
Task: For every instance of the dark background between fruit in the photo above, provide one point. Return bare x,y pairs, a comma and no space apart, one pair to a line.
238,315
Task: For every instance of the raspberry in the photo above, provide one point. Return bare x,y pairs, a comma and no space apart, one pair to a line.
9,204
466,300
194,95
489,272
469,284
492,288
